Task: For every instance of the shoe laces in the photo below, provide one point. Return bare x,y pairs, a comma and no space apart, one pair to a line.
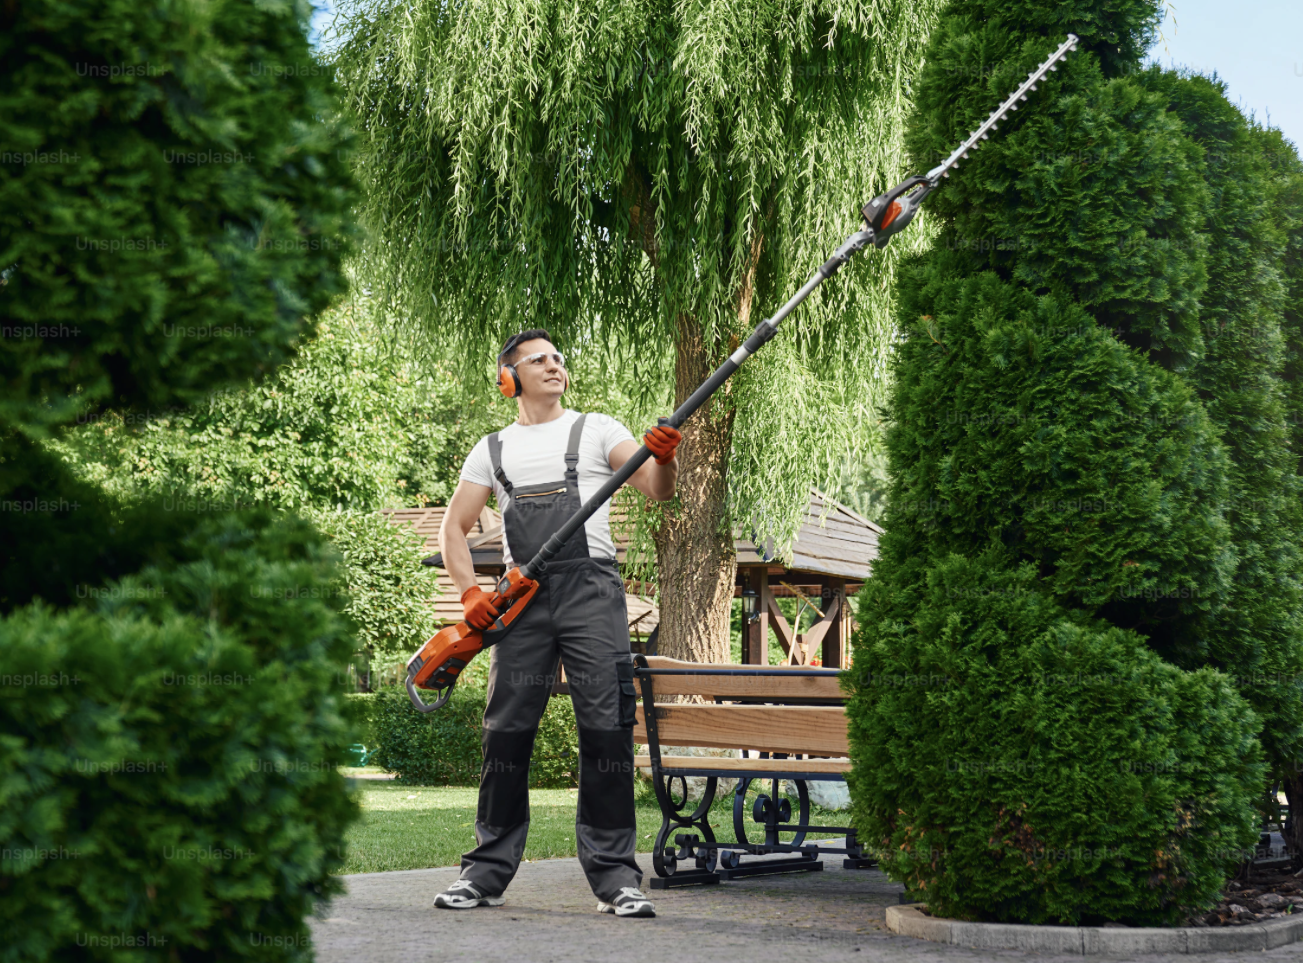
464,884
631,893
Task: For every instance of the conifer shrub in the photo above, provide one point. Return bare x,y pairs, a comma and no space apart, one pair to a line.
174,207
1239,380
1039,725
173,199
167,769
1022,762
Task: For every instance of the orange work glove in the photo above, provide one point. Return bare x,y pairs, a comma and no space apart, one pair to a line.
662,441
477,604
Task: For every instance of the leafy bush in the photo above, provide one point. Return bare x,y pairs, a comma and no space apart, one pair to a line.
173,200
442,748
1032,764
167,769
1239,378
388,589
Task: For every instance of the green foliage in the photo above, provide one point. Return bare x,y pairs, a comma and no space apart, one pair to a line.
645,180
1260,640
1032,764
173,204
1089,480
1024,424
1094,192
167,769
173,200
327,436
388,590
443,748
325,431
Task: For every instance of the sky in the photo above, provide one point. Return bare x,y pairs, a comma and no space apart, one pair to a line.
1256,46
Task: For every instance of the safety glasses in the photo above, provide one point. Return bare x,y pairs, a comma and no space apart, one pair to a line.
556,357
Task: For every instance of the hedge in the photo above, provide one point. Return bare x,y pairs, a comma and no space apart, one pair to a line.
168,781
1089,543
443,747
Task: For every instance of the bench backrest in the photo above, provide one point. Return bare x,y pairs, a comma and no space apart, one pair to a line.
808,729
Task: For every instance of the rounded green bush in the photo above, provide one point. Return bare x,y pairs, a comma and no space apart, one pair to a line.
168,781
1018,762
1086,549
444,748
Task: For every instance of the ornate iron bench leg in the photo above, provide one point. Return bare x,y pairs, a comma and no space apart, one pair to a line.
773,813
855,855
691,846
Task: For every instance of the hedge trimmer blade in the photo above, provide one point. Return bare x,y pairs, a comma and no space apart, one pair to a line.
889,212
984,131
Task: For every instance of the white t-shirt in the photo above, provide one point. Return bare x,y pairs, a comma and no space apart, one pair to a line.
536,455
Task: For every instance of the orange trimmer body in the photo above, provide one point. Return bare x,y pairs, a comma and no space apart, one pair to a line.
440,661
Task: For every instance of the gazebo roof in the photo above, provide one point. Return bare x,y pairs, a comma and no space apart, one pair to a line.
841,543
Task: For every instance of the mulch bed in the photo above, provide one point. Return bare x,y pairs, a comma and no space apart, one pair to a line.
1267,895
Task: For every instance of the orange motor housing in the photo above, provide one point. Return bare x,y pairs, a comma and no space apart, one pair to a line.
439,662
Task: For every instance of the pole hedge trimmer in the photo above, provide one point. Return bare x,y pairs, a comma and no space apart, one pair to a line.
439,662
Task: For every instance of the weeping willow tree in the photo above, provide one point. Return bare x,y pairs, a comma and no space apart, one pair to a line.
647,179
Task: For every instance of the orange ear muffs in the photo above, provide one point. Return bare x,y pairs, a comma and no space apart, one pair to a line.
508,381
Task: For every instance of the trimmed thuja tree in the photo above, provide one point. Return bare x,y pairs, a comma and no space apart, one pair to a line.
172,207
1076,540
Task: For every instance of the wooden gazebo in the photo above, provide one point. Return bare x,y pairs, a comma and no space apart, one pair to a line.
831,558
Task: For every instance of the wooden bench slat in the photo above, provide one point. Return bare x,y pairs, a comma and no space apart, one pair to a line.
744,686
746,765
805,729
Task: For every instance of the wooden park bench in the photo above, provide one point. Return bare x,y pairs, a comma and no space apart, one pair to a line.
791,718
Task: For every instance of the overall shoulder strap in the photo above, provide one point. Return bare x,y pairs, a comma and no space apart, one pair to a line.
572,448
495,456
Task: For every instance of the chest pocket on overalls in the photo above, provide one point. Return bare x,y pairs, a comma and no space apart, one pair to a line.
533,513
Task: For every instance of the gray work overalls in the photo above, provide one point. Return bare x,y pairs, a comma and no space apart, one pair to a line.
578,615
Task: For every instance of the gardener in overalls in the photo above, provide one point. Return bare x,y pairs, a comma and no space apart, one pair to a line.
541,468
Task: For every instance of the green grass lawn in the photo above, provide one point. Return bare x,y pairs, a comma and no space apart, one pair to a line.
419,827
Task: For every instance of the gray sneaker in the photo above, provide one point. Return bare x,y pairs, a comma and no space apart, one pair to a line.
463,895
630,902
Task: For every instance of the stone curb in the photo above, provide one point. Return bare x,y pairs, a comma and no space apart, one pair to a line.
1087,940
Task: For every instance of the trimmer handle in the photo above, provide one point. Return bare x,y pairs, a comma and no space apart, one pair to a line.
891,212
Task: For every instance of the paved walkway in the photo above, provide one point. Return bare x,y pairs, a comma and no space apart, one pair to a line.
550,915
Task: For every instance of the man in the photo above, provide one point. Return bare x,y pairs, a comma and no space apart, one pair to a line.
541,469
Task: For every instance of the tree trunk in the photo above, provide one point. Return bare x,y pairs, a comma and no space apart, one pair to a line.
695,559
696,564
